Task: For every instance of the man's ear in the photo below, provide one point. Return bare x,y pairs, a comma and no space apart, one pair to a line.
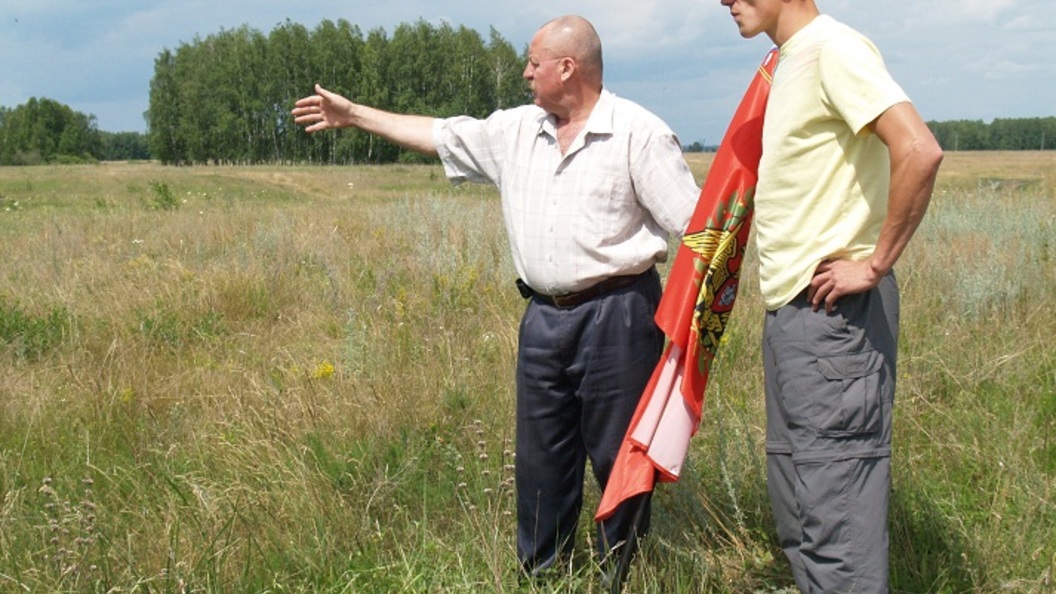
568,66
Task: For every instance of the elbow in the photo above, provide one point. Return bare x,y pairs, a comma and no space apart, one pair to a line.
932,155
924,155
928,150
909,139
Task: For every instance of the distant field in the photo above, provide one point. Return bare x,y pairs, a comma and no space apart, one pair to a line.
300,379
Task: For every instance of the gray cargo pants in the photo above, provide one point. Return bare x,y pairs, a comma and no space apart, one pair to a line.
830,385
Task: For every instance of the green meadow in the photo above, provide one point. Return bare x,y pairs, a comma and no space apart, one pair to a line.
300,379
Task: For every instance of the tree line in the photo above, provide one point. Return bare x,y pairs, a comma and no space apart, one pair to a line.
227,98
1022,134
45,131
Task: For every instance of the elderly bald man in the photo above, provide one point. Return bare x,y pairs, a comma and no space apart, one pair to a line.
592,185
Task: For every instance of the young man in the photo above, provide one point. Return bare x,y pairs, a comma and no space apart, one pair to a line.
591,185
847,172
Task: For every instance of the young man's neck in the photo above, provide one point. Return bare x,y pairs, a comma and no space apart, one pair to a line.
794,17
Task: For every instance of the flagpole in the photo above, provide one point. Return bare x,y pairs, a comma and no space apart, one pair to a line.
630,546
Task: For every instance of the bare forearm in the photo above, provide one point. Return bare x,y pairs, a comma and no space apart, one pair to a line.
409,131
915,160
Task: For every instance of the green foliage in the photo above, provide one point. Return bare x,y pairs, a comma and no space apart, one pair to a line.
163,327
227,98
46,131
1015,134
29,335
162,197
123,146
8,205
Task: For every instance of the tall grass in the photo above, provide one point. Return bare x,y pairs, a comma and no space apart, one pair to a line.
300,380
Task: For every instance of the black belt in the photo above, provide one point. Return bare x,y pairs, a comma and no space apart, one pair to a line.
570,300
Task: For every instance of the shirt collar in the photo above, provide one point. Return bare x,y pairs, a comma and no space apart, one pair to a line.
599,122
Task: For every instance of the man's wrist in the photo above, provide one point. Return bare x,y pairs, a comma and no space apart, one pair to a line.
878,269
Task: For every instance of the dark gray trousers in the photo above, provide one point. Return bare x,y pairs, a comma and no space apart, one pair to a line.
580,374
830,385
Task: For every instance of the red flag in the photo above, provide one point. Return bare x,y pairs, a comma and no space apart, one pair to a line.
696,307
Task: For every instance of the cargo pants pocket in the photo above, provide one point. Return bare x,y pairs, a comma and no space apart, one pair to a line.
851,402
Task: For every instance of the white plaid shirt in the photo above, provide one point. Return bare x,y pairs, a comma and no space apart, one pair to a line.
606,208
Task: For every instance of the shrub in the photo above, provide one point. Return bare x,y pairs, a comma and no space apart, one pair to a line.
28,335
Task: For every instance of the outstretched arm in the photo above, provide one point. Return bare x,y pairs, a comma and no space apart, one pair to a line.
915,159
326,110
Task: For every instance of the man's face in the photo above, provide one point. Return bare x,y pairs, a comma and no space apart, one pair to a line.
544,75
754,16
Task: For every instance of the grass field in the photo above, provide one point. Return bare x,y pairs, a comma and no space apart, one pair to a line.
295,379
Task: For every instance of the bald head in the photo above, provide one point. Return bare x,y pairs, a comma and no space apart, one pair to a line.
574,36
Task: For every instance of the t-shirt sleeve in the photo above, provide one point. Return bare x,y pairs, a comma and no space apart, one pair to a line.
855,81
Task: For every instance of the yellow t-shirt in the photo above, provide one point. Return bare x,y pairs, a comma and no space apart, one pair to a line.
823,177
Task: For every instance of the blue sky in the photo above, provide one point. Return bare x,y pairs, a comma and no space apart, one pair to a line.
683,59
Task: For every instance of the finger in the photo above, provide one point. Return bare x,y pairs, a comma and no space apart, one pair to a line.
306,110
815,290
307,118
823,294
308,101
830,302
